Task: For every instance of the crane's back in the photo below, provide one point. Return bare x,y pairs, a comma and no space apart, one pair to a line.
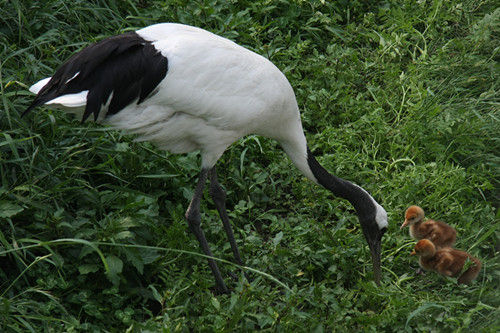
214,92
216,79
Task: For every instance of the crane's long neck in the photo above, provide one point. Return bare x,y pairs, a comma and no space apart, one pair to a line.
357,196
305,161
366,207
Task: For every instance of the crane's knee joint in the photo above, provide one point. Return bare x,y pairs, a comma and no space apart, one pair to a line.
217,193
194,219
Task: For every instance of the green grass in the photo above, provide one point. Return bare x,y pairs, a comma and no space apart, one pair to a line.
401,97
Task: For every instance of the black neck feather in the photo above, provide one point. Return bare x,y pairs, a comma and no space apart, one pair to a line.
358,197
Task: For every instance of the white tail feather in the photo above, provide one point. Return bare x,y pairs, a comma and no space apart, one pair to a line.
66,101
71,100
39,85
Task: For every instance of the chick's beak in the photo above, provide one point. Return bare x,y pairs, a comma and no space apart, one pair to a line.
405,223
413,253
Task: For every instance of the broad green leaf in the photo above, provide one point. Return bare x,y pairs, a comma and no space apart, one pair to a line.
115,265
88,268
215,303
8,209
277,238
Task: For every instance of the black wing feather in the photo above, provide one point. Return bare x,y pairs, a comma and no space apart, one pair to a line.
126,65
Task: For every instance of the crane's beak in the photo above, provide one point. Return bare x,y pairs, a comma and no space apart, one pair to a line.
413,253
405,223
375,249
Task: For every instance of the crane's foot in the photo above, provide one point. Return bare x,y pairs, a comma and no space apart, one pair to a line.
220,290
249,279
235,276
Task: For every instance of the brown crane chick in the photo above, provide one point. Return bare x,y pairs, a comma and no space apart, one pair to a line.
446,261
440,233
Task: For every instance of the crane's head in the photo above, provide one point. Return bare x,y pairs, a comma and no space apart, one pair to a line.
414,214
374,224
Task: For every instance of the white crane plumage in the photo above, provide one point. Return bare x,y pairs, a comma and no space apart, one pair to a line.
186,89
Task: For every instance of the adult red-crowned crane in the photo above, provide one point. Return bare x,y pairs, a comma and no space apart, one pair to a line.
186,89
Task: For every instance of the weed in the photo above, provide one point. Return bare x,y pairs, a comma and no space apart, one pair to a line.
399,96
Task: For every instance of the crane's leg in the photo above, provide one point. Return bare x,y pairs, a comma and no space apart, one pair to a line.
193,217
219,197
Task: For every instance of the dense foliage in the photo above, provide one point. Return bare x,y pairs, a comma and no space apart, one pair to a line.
399,96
